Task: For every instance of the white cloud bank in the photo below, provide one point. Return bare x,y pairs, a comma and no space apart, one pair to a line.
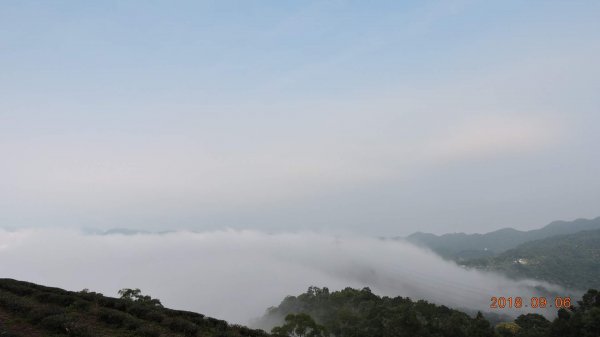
236,275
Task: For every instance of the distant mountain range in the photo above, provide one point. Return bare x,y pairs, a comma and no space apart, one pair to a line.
571,260
462,247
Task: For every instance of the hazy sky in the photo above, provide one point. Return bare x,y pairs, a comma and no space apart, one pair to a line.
382,117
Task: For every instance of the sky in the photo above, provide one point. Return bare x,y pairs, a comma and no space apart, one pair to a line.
380,118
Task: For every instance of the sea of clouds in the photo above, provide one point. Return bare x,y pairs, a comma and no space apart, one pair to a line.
237,275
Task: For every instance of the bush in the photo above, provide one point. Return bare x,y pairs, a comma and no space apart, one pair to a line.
112,317
80,306
217,323
36,315
181,325
14,303
154,316
16,287
147,332
113,303
117,318
145,312
46,297
65,324
55,323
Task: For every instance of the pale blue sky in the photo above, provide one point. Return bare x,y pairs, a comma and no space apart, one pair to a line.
380,117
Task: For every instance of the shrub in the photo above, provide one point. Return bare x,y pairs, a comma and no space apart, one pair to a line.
46,297
145,312
217,323
112,317
36,315
80,305
147,332
65,324
113,303
14,303
181,325
117,318
55,323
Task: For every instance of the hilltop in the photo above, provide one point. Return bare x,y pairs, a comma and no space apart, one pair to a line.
462,247
32,310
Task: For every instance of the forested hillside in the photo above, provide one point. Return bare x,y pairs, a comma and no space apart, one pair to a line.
360,313
352,312
31,310
461,246
572,261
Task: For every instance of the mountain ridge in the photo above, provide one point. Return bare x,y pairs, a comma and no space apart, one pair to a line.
569,260
455,245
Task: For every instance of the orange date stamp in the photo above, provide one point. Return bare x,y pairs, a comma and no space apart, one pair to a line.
518,302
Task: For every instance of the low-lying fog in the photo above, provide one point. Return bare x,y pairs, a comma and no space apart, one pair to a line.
236,275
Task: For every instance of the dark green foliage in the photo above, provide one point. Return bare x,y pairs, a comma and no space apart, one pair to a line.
65,324
37,314
580,321
118,318
112,316
55,312
353,312
532,325
136,296
47,297
44,311
357,313
300,325
216,324
145,312
79,305
55,323
181,325
14,303
147,332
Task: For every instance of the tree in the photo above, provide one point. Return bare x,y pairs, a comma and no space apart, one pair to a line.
480,327
507,329
532,325
135,295
300,325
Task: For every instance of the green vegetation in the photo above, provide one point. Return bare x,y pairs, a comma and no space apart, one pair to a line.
300,325
572,261
463,247
580,321
32,310
27,309
354,313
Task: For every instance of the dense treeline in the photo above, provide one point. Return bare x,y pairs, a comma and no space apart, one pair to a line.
32,310
354,313
27,309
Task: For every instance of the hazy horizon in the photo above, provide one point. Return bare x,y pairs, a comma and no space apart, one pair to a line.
335,116
237,275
